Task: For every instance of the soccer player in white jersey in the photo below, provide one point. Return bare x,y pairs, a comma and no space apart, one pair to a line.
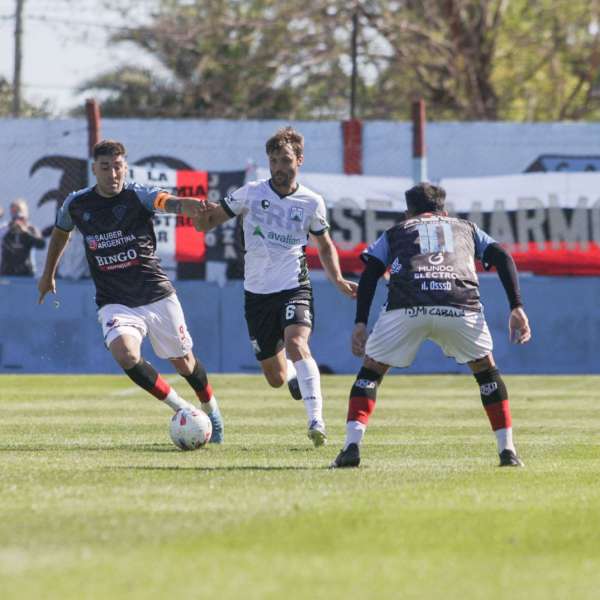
134,295
433,294
278,216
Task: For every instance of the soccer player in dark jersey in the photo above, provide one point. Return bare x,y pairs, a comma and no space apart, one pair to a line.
134,295
278,215
433,294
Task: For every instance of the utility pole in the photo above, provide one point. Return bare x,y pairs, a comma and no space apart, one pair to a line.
353,51
16,104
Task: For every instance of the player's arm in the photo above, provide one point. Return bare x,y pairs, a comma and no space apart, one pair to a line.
34,237
174,205
518,324
367,286
56,247
331,264
211,217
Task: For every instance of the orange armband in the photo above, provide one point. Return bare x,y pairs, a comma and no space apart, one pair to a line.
161,200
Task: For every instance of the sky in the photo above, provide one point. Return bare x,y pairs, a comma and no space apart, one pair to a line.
65,42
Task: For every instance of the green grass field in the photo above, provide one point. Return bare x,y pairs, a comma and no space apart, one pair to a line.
96,503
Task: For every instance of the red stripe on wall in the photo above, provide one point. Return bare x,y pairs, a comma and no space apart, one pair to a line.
189,243
562,260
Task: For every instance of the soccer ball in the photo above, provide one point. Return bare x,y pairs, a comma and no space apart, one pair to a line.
190,429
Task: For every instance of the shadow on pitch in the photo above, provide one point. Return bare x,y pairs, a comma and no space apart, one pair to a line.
89,448
210,469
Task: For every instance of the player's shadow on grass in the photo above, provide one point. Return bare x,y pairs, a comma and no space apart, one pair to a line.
209,469
89,447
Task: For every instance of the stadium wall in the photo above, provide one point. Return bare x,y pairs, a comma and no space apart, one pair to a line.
67,338
38,153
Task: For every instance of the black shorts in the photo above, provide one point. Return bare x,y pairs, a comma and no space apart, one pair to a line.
267,315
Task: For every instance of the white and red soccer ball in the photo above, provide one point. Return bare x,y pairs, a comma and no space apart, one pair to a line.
190,429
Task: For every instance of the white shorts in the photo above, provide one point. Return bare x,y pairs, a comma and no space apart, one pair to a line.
399,333
162,321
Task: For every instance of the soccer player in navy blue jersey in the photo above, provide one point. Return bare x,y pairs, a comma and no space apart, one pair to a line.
433,294
134,295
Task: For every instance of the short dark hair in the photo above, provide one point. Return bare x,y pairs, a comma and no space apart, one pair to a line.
285,136
108,148
425,197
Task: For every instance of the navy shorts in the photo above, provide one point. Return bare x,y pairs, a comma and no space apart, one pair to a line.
267,315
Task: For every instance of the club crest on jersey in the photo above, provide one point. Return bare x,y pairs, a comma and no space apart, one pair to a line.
119,211
396,267
296,214
265,204
92,242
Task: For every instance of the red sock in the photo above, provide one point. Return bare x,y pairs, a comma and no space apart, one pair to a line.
360,409
499,414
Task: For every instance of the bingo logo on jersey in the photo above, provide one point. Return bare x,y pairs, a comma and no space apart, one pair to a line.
121,260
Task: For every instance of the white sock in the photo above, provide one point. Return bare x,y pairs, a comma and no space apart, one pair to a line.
209,406
309,380
176,402
291,370
504,439
355,432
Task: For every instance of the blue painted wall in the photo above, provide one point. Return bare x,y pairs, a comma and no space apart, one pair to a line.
565,316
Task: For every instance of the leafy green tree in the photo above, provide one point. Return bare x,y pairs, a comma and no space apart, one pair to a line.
469,59
232,59
27,109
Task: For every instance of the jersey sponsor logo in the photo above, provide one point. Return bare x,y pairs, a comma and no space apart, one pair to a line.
446,311
436,259
296,214
108,240
436,311
122,260
487,389
258,231
285,239
277,216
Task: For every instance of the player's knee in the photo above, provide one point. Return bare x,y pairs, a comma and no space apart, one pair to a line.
184,365
127,358
491,386
297,346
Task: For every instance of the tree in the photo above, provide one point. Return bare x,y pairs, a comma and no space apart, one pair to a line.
487,59
233,59
27,109
469,59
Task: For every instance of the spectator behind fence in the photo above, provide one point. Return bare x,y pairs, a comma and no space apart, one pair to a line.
17,238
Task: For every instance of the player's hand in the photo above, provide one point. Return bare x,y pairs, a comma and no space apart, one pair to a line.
359,339
46,284
194,209
348,288
518,326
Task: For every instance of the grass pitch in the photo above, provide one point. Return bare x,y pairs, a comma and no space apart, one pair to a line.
96,503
